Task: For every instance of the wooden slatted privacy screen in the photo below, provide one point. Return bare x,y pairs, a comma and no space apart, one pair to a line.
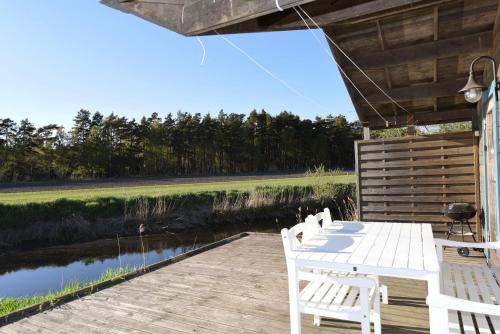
411,179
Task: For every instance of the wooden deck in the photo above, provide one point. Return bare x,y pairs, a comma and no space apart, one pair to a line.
240,287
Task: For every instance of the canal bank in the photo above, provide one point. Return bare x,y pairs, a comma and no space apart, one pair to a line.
70,221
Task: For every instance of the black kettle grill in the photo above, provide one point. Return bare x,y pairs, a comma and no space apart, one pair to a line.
460,213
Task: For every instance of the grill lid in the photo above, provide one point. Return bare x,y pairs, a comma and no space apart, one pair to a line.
460,211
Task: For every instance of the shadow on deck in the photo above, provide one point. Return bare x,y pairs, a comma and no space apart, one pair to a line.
240,287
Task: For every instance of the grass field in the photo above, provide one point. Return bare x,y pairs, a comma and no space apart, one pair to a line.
170,189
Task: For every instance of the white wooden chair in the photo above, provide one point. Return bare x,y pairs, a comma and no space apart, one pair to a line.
325,218
470,293
327,294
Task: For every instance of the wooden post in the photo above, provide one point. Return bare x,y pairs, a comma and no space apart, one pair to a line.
366,133
358,181
477,181
410,122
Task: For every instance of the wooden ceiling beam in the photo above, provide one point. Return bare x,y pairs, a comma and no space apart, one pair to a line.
372,10
475,43
424,118
350,89
203,17
419,91
436,60
387,74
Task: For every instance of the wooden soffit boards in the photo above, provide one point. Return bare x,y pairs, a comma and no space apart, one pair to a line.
200,17
420,57
197,17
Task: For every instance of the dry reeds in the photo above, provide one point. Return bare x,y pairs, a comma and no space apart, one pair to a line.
261,198
144,208
347,209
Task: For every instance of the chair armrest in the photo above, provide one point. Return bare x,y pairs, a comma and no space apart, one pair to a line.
458,304
458,244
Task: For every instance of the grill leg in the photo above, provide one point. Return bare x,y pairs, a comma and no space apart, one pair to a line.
462,226
463,251
448,234
473,234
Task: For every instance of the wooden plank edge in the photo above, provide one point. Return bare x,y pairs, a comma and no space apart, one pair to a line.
48,305
425,138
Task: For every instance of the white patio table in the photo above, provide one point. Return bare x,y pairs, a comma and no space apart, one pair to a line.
401,250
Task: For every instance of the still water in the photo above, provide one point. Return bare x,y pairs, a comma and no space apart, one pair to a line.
34,272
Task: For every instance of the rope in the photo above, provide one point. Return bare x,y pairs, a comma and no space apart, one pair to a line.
278,6
203,49
329,53
354,63
271,74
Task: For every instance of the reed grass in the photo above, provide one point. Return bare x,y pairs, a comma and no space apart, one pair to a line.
262,198
134,208
11,304
347,209
143,208
321,171
303,200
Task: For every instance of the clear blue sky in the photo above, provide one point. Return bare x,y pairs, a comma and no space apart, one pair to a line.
57,56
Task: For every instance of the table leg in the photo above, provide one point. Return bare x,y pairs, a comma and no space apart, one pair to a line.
293,290
438,317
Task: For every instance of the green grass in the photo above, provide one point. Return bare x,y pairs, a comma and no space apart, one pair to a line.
174,189
9,304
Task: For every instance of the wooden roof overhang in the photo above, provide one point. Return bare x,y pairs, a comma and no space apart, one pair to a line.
419,51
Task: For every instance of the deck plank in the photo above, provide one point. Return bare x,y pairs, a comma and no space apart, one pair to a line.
240,287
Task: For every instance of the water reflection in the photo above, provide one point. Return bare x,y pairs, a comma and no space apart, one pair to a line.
38,271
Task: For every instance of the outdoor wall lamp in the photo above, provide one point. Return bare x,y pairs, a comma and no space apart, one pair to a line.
473,91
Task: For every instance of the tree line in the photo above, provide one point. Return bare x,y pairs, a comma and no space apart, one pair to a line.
186,144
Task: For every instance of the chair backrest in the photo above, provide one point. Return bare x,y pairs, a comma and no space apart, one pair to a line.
312,227
324,217
308,229
289,237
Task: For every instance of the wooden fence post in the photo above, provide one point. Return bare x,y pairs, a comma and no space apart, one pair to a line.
358,181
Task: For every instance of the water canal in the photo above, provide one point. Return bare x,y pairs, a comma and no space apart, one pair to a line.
37,271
